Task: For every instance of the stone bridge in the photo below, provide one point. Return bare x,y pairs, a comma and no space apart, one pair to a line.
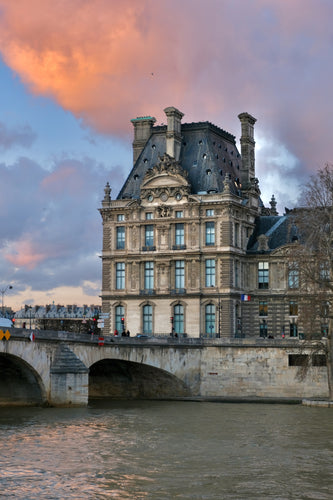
67,369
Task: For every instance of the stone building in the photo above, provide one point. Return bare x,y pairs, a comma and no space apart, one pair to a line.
188,247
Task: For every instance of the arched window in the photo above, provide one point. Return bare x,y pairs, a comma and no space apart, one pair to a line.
120,313
210,320
147,323
178,318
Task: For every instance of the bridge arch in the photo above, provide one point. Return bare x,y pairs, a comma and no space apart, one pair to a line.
122,379
20,385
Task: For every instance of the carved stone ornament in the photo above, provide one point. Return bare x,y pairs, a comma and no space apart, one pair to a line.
164,211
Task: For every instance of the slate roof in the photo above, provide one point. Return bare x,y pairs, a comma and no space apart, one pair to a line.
208,153
279,229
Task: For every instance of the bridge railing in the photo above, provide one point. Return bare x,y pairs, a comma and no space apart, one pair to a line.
62,336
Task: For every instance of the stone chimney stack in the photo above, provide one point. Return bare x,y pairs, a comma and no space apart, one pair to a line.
173,135
142,131
247,149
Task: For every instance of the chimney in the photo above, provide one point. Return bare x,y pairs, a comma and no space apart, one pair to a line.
247,150
142,131
173,135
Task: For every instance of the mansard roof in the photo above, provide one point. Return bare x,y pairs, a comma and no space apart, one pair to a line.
208,154
271,232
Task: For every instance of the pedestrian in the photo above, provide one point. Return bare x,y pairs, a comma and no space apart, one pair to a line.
116,333
128,333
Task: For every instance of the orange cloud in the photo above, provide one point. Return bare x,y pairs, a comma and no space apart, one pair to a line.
87,55
23,254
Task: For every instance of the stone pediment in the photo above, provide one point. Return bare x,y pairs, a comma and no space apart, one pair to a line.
166,177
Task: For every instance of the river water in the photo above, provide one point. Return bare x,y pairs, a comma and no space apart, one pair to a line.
167,450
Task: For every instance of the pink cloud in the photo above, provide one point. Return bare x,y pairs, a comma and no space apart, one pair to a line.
22,253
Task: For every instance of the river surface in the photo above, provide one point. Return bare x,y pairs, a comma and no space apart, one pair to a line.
167,450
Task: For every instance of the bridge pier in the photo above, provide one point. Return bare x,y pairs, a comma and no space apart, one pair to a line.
69,379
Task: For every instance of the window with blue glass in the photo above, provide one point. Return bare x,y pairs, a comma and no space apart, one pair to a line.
179,274
147,320
210,233
120,238
179,234
178,318
210,319
149,235
293,276
263,275
210,272
120,275
120,313
149,275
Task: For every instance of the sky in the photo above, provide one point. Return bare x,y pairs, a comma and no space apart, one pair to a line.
74,73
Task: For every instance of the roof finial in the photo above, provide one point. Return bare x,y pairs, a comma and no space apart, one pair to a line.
273,206
107,191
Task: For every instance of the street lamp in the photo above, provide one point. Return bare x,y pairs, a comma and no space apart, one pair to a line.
3,291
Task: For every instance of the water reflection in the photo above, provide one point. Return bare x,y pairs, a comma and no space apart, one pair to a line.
166,450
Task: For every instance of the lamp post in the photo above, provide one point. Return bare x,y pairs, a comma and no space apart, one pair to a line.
3,291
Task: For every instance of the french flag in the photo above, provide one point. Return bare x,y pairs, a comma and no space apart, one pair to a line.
246,298
32,336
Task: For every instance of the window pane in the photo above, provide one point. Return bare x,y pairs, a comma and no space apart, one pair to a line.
263,329
210,319
179,234
120,313
293,277
263,275
179,214
293,308
149,275
149,236
147,324
178,315
210,233
120,275
120,237
179,274
293,330
263,308
210,272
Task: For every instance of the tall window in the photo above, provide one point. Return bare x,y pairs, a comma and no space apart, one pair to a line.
149,235
179,234
263,275
120,237
179,274
210,233
120,313
236,234
293,330
293,276
263,308
147,320
149,275
210,319
178,318
263,329
210,272
293,308
324,271
236,273
120,275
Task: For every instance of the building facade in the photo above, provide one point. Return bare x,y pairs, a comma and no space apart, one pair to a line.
188,247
